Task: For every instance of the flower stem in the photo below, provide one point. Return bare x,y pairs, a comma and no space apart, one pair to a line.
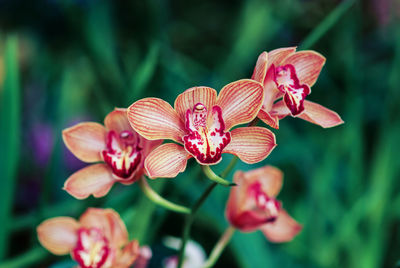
219,247
214,177
190,218
156,198
189,221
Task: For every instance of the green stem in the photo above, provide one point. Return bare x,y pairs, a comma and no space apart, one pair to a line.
156,198
190,218
189,221
214,177
219,247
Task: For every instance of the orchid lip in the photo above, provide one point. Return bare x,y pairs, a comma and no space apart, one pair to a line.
123,154
269,205
206,138
92,249
288,83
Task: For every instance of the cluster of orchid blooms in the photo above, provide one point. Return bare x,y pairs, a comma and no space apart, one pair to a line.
202,124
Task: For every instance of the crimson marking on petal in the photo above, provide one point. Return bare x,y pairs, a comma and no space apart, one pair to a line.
92,249
205,143
269,205
123,154
288,83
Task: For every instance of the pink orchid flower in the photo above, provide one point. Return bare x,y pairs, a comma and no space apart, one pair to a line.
117,145
98,240
200,123
290,74
252,205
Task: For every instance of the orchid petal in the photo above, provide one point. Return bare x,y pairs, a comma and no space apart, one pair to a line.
251,144
277,56
117,120
155,119
95,179
284,229
86,141
319,115
261,68
271,179
166,161
313,112
58,235
240,102
271,91
272,121
128,255
308,65
109,222
192,96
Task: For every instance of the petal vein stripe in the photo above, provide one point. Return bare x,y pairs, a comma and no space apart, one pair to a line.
154,119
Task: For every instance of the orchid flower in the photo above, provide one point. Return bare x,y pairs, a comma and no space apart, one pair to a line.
98,240
195,256
290,74
117,145
252,205
200,123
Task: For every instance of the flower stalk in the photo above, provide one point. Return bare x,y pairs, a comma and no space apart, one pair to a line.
219,247
214,177
157,199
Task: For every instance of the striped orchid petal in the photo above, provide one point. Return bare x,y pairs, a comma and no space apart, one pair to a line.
308,65
95,180
155,119
261,68
86,141
192,96
108,222
58,235
284,229
240,102
251,144
277,56
117,121
166,161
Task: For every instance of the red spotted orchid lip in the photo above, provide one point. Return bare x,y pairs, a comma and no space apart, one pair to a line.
288,83
206,138
123,154
92,249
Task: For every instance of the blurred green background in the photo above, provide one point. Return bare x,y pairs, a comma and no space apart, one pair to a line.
63,62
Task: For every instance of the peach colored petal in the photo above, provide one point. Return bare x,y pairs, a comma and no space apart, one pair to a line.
58,235
117,120
308,65
188,99
95,180
280,110
261,68
251,144
86,141
166,161
277,56
284,229
128,255
271,179
318,114
240,102
155,119
272,121
109,222
271,91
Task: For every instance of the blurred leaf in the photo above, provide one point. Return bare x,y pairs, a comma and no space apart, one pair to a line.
9,137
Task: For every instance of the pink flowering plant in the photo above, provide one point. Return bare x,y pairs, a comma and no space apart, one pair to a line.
153,139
